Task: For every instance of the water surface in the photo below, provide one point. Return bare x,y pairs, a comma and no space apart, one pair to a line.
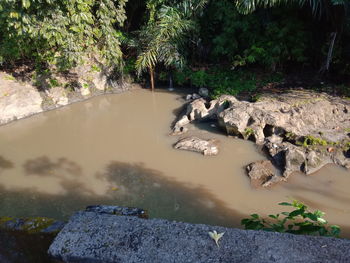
116,149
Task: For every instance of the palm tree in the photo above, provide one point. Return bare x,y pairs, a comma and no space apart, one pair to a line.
162,38
334,11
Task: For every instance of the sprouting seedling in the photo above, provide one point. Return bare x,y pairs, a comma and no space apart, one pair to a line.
214,235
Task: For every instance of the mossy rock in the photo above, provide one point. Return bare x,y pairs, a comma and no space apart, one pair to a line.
31,225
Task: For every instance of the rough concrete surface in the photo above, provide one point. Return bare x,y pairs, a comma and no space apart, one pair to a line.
92,237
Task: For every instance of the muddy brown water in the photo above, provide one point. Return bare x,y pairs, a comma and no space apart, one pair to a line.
116,150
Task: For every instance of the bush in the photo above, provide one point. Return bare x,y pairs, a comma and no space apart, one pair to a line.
299,221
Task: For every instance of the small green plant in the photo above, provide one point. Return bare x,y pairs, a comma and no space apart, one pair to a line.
95,68
290,136
299,221
256,98
310,140
54,83
248,132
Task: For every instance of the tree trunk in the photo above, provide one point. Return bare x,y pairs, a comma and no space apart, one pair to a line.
151,73
327,63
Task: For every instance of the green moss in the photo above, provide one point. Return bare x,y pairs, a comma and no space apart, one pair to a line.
30,225
4,219
36,224
347,130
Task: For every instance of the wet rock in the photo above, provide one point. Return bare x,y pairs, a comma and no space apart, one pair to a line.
263,174
31,225
117,210
206,147
17,100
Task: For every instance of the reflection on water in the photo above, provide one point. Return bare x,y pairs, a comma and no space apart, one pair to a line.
115,150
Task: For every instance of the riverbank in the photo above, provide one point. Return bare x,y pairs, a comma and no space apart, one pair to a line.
21,99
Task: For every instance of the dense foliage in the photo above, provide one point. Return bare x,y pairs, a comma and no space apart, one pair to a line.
60,32
200,42
299,221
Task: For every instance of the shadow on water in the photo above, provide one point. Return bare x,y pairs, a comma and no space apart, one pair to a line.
43,166
126,184
5,164
165,198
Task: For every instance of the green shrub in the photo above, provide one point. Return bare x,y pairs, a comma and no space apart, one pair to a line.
299,221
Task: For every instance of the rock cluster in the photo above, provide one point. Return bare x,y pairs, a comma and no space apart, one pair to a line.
300,130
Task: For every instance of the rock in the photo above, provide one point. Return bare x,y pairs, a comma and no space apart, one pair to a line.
206,147
294,160
262,174
200,110
100,81
17,100
57,95
298,112
117,210
195,96
313,162
189,97
84,90
93,237
32,225
204,92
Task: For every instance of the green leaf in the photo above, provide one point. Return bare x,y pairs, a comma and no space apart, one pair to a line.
26,4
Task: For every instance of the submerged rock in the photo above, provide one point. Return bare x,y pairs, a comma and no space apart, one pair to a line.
206,147
263,174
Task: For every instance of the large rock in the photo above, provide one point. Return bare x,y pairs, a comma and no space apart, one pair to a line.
263,174
206,147
299,112
96,238
17,100
200,110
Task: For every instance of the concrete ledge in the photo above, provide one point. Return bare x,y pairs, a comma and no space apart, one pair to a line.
93,237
